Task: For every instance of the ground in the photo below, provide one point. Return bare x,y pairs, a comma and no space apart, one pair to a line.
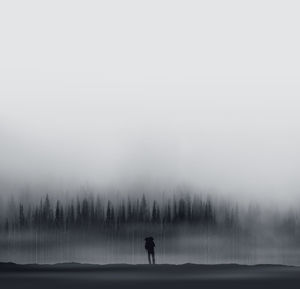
124,276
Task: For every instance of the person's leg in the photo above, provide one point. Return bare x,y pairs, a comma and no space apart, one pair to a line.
153,258
149,259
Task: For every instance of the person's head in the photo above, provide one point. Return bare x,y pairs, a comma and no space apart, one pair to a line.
149,239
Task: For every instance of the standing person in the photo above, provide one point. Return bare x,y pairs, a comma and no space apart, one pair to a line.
149,246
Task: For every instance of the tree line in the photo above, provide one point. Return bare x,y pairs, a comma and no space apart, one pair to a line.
94,213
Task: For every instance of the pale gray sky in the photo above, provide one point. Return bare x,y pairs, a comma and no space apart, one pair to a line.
200,92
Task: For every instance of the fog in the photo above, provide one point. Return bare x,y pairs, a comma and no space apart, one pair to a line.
151,96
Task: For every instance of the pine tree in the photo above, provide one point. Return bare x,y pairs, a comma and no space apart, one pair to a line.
155,218
182,210
85,212
143,211
6,226
129,211
22,222
99,212
108,213
168,216
78,214
122,213
58,216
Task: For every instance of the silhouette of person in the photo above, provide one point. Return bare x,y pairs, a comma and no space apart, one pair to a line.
149,246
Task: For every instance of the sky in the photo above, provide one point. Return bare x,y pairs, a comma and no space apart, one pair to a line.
152,93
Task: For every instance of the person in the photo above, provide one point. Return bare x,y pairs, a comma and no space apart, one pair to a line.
149,246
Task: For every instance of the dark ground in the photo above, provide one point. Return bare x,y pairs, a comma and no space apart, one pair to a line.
124,276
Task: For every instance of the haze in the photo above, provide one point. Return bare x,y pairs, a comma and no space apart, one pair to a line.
163,93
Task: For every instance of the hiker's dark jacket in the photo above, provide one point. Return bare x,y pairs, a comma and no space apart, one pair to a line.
149,245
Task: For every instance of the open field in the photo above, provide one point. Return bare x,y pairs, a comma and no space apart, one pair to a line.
88,276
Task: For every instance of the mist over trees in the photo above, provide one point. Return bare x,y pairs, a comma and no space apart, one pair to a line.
94,213
107,228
